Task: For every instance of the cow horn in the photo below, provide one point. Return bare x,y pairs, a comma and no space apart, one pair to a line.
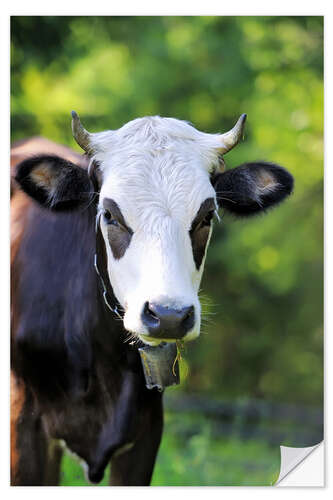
80,134
231,139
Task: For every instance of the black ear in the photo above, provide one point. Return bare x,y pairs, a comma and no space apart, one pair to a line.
252,187
55,183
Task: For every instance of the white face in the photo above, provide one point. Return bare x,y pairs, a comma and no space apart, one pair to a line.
155,207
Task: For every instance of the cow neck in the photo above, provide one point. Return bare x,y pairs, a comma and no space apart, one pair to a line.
100,262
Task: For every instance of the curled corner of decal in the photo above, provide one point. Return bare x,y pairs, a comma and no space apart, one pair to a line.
292,458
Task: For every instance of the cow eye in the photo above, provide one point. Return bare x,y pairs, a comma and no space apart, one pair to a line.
107,215
109,219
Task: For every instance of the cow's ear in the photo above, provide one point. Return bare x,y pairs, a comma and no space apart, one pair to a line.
252,188
55,183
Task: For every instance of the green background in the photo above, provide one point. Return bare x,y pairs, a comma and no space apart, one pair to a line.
262,291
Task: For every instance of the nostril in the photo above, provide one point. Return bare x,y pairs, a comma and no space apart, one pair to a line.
150,319
188,317
148,311
189,313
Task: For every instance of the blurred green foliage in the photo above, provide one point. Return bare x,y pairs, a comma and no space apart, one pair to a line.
263,283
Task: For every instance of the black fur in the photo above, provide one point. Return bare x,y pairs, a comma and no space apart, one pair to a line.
57,300
74,188
238,189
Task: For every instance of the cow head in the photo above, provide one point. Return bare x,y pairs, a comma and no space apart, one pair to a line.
160,182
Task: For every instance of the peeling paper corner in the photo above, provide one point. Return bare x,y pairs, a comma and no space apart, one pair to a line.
291,458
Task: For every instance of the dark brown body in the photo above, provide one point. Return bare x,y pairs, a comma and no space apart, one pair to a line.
73,376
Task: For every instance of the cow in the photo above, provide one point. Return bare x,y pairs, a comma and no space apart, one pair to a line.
108,250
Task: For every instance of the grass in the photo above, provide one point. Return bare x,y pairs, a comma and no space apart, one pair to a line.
192,455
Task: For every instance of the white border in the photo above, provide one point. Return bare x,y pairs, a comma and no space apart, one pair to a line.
172,7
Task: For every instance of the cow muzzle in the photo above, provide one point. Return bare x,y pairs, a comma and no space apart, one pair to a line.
164,322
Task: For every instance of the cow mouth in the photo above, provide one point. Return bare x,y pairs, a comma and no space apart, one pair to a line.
149,340
153,342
